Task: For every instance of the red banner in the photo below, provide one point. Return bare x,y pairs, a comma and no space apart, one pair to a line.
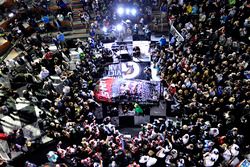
104,89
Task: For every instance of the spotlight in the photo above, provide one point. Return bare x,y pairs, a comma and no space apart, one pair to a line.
133,12
120,11
119,27
104,29
11,15
127,11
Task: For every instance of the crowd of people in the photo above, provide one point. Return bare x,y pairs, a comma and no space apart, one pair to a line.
206,80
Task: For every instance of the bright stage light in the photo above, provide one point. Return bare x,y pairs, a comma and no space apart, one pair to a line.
11,15
133,12
120,11
127,11
104,29
119,27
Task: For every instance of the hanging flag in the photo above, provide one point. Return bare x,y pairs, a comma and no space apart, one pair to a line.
176,34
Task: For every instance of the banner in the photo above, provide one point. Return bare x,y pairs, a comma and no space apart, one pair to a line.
104,89
127,70
126,91
176,34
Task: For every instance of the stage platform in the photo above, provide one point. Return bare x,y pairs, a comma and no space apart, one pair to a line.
123,119
158,110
